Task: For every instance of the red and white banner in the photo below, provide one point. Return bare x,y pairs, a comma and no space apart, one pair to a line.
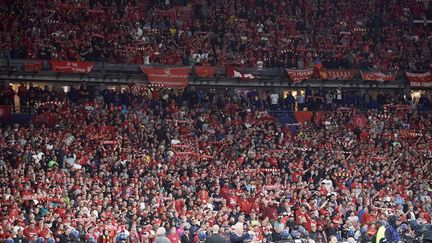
260,171
85,220
190,154
171,13
232,73
43,198
5,111
337,74
110,142
71,67
174,78
420,79
299,75
408,134
204,71
33,67
378,76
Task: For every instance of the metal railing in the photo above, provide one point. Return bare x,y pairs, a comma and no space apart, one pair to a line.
17,65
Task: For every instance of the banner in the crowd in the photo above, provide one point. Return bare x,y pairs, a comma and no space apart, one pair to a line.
303,116
337,74
184,13
191,154
85,220
33,67
47,118
204,71
110,142
299,75
5,111
171,13
420,79
408,134
174,78
71,67
378,76
71,6
43,198
250,171
359,121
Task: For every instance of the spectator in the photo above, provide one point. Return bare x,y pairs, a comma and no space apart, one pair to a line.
215,237
130,170
281,35
160,236
274,101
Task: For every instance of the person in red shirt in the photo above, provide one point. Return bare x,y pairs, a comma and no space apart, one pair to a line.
245,205
173,236
203,195
41,229
269,211
232,200
302,217
30,232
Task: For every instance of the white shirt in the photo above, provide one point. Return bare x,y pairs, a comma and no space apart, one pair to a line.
274,98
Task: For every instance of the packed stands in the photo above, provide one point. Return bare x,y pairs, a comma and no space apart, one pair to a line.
376,35
151,165
157,163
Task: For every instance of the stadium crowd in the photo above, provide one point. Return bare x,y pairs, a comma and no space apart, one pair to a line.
378,35
146,165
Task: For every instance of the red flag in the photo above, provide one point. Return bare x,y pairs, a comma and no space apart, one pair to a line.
71,67
378,76
33,67
204,71
231,72
420,79
303,116
298,76
174,78
340,74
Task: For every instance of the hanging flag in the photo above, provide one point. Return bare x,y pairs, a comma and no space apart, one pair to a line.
299,75
71,67
174,78
378,76
420,79
232,73
204,71
337,74
33,67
